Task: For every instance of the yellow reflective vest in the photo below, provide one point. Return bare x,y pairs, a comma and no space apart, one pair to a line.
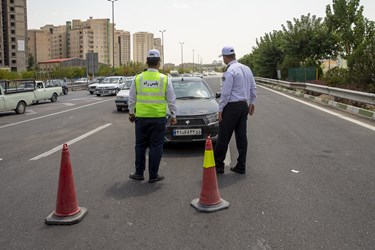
151,90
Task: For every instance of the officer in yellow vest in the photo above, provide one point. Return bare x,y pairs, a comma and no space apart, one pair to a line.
149,96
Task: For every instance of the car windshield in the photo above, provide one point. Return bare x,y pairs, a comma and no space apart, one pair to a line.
127,84
110,80
185,89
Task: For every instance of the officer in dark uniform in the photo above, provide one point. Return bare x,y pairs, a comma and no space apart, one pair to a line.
237,100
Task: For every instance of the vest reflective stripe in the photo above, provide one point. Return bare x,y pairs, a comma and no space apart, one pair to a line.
151,90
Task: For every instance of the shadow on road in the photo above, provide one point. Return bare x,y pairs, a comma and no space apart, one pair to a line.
131,188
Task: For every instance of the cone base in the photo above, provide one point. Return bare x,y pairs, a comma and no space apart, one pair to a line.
52,219
223,204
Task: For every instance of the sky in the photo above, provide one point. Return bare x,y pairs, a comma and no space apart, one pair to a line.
204,26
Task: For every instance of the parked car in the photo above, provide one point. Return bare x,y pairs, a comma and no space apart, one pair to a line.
58,83
122,97
110,85
92,87
197,111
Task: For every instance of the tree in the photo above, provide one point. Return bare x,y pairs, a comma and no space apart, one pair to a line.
345,19
307,41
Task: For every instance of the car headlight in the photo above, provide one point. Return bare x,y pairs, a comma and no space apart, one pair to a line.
212,117
120,98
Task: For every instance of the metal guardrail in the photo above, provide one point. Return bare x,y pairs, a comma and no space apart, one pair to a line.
361,97
76,87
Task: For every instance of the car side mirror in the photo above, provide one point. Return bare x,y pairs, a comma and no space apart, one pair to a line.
218,94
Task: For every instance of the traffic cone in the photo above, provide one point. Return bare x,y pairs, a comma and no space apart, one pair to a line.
67,211
209,200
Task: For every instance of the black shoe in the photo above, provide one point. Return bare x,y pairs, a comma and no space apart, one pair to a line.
157,178
136,176
219,170
238,170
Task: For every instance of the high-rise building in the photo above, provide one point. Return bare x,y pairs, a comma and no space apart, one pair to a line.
159,46
90,36
13,36
122,47
142,43
39,45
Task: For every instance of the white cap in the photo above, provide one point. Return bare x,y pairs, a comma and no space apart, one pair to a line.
153,53
227,50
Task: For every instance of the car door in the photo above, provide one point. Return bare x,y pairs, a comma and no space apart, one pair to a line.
40,91
2,100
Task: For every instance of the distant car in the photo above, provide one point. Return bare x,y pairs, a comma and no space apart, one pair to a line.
122,97
92,87
111,85
82,80
197,111
58,83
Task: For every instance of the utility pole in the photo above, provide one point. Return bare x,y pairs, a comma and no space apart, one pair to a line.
113,32
182,56
162,46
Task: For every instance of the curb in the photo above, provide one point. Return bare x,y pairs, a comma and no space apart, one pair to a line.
336,105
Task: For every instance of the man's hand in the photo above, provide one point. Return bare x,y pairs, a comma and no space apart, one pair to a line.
131,118
251,109
220,117
173,121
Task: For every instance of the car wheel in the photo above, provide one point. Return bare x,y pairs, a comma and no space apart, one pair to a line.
54,98
21,108
97,94
119,109
91,92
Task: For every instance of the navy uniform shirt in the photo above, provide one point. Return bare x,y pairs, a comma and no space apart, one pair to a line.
238,85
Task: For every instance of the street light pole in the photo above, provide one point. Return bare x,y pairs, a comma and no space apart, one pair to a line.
162,46
193,61
182,56
113,32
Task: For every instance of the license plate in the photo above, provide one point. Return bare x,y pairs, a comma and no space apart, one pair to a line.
186,132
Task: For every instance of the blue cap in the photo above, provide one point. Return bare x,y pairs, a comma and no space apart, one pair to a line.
153,53
227,50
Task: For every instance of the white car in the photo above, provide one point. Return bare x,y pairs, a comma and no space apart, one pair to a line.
110,85
122,97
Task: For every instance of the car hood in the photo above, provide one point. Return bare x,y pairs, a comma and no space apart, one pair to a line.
196,107
107,85
124,92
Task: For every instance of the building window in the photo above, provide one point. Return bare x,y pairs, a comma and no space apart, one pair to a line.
13,39
11,16
13,46
14,61
13,32
13,54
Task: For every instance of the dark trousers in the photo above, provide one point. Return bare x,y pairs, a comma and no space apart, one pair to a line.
234,119
149,133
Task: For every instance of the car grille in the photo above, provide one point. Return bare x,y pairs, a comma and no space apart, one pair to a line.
190,121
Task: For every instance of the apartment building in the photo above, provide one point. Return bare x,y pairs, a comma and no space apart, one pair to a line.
13,36
122,47
142,42
158,46
39,45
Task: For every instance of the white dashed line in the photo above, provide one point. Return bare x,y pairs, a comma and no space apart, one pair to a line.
58,148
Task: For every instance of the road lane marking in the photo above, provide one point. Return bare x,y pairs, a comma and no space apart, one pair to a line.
53,114
68,103
58,148
324,110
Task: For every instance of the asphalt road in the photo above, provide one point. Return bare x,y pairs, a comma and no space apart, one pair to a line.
309,182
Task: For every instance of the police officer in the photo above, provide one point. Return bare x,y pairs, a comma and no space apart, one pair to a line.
149,96
237,100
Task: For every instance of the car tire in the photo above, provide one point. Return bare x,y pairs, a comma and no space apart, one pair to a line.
97,94
21,108
91,92
119,109
54,97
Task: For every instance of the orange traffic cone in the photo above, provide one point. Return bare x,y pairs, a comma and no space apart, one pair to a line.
67,211
209,200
